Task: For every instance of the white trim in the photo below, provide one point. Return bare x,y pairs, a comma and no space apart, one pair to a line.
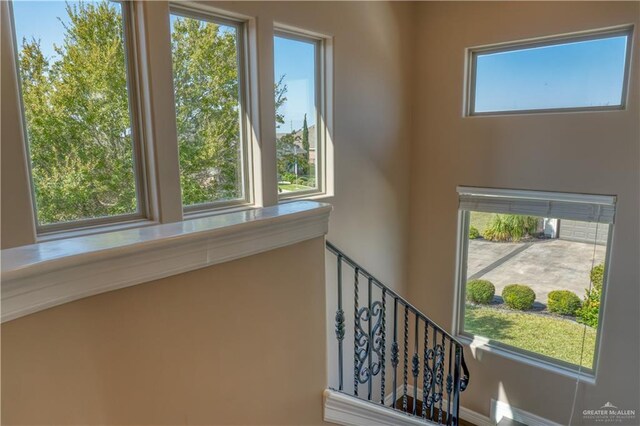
606,200
40,276
501,409
480,343
464,413
348,410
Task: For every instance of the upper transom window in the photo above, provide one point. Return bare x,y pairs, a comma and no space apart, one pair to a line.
579,72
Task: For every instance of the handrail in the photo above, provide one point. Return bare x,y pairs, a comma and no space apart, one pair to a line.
335,250
442,362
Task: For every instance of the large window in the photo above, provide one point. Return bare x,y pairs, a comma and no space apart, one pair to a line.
207,80
298,119
533,273
578,72
80,123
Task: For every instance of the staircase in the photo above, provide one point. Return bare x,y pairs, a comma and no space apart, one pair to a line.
392,360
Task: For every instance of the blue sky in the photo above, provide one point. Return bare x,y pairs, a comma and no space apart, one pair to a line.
294,59
579,74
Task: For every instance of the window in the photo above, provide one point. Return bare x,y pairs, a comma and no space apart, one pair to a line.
580,72
79,120
207,58
532,274
299,141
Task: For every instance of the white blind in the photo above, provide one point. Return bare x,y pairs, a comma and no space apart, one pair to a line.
582,207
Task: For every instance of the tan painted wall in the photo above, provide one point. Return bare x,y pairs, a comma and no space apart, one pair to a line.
237,343
583,152
130,356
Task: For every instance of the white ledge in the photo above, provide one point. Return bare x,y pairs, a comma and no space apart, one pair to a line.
47,274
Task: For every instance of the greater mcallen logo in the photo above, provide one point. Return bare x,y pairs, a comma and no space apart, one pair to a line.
609,413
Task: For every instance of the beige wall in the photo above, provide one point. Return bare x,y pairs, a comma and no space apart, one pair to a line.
581,152
237,343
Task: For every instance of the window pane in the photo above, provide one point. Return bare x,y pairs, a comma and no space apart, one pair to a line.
205,77
71,59
296,116
588,73
561,263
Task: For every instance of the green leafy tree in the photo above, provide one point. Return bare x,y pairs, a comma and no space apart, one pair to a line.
205,74
77,116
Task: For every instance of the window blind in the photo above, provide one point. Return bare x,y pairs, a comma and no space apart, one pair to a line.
582,207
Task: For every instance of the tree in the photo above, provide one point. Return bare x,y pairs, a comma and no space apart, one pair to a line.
205,74
305,138
77,116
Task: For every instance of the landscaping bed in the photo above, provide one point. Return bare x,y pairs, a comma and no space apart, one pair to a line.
552,336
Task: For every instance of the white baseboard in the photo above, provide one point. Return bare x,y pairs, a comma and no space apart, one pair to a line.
500,409
365,419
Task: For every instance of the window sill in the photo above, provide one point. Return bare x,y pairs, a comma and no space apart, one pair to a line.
47,274
476,343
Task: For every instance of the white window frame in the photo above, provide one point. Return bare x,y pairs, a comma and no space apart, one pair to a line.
473,53
322,87
479,342
142,215
193,12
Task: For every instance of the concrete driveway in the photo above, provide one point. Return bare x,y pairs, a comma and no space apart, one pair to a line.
543,265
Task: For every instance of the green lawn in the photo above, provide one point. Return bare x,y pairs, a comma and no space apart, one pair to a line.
293,187
554,337
480,220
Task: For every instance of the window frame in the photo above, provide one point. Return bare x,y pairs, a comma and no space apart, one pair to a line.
244,114
505,350
473,53
320,77
141,216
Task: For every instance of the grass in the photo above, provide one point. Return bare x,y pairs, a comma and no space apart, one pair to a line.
481,220
293,187
554,337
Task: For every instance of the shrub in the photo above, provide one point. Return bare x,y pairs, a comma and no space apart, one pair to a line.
480,291
511,227
518,296
563,302
473,233
590,311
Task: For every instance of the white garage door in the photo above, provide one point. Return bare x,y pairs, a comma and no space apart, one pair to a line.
584,232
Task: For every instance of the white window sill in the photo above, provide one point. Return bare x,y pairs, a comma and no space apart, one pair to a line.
47,274
476,343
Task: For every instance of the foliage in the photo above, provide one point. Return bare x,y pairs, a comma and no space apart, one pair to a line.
511,227
563,302
519,296
590,311
473,233
554,337
77,116
480,291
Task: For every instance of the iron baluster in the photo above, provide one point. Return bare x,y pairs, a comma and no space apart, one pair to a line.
384,336
370,351
425,369
415,367
394,351
340,329
440,377
449,386
356,366
433,397
406,358
456,389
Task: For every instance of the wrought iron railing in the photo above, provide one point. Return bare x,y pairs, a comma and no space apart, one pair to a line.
437,367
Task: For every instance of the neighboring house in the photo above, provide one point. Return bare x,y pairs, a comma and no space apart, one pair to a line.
313,141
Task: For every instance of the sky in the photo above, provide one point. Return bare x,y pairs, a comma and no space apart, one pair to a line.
579,74
293,59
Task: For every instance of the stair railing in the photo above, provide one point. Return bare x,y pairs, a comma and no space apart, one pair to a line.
437,367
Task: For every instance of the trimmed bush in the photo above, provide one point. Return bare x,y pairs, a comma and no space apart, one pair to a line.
590,311
511,227
473,233
563,302
480,291
519,296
